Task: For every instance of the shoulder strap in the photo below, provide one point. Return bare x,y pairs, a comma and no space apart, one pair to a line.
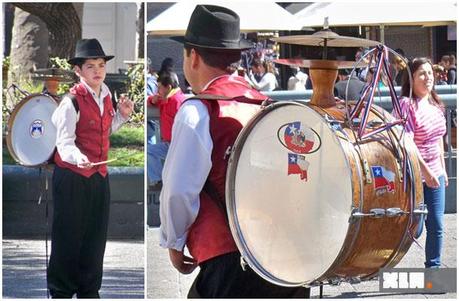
114,103
209,97
265,102
210,189
74,101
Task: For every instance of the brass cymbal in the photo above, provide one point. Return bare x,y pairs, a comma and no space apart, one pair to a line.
326,38
320,64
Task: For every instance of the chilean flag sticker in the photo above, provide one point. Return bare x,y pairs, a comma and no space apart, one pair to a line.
298,165
299,138
384,179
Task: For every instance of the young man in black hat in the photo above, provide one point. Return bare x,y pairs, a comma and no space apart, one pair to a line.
192,199
81,193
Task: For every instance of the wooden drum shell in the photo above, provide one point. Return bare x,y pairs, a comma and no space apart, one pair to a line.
374,243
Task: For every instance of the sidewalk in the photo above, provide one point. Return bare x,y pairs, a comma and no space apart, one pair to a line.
163,281
24,272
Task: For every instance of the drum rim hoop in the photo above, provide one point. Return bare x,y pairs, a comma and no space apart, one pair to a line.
230,197
12,118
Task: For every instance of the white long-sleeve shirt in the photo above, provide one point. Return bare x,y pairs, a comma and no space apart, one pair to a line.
65,119
186,169
185,172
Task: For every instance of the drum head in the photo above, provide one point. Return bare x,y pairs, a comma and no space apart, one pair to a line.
289,194
31,136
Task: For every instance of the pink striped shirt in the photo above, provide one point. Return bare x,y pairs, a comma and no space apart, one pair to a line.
426,123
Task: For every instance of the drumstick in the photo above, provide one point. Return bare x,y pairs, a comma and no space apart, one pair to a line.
104,162
111,160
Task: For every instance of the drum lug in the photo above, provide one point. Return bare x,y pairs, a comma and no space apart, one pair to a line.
366,169
422,210
243,264
354,280
335,281
391,212
375,212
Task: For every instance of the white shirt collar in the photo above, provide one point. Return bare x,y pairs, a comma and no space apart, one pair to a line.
104,90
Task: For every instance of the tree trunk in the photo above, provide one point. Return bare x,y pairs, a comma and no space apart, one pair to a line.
63,24
140,31
29,48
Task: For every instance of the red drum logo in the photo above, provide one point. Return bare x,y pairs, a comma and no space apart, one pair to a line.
299,138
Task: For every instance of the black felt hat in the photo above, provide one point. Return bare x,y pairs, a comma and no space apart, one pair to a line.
214,27
89,49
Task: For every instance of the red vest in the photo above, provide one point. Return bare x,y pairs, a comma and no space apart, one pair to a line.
210,235
167,110
92,131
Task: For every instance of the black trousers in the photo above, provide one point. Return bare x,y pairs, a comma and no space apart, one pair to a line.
223,277
79,234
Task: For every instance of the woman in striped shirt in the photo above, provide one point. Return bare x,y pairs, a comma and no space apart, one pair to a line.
426,124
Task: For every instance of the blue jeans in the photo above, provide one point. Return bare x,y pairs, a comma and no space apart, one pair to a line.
156,153
434,198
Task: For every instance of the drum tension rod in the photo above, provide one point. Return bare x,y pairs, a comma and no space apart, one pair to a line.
380,212
389,212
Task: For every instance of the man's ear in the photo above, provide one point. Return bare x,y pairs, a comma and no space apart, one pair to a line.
77,70
195,58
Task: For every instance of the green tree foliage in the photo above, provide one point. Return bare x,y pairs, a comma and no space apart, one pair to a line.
136,91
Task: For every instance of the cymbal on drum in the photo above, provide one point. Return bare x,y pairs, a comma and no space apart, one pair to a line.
320,64
53,74
326,38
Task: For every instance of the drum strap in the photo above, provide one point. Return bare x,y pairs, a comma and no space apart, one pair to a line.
44,191
210,189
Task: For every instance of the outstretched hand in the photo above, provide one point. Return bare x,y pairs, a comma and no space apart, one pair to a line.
125,106
181,262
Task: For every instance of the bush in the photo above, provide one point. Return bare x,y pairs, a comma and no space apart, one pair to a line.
63,64
136,88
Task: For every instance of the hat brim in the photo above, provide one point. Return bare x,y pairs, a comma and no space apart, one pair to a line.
73,60
243,44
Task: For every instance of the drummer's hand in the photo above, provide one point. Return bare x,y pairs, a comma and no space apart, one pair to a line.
125,106
182,263
83,162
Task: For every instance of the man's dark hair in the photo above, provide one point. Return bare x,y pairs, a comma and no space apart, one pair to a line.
80,62
168,77
221,59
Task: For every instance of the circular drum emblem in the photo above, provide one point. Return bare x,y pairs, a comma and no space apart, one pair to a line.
299,138
36,129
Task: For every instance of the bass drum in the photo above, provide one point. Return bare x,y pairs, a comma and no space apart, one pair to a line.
31,137
307,205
